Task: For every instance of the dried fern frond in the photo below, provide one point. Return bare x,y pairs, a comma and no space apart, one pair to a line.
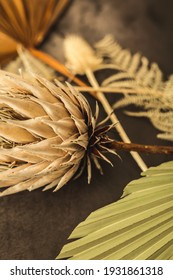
47,132
136,75
134,70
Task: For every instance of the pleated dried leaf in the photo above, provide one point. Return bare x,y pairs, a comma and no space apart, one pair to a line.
47,134
26,22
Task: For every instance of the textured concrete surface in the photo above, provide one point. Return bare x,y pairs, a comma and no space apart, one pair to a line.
36,225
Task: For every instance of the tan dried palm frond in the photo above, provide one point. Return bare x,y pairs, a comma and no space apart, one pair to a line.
47,132
26,22
7,48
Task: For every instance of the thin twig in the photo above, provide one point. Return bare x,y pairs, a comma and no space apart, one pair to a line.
150,149
120,90
114,119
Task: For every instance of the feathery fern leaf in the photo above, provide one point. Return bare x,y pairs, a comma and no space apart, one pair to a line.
138,226
147,89
135,67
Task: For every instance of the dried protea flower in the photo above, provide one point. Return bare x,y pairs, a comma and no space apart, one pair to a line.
47,132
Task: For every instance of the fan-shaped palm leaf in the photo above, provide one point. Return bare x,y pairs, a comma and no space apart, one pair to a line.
138,226
26,22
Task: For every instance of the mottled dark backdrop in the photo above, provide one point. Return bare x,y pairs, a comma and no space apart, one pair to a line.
36,225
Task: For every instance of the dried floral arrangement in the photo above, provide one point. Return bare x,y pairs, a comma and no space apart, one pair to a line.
49,134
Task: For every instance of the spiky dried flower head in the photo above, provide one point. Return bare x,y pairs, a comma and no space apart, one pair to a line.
80,55
47,131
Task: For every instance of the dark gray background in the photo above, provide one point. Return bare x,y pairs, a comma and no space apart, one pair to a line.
36,225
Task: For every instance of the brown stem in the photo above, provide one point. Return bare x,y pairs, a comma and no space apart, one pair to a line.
59,67
117,145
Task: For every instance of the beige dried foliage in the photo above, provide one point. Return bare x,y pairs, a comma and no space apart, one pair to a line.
142,84
47,134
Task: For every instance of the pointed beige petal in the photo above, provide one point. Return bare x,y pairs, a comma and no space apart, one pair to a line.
53,166
6,181
74,142
5,174
89,169
77,98
72,109
44,180
75,158
28,171
35,126
102,156
55,91
67,101
12,81
16,134
52,184
16,154
25,107
67,145
50,109
64,128
44,149
80,124
97,164
82,140
68,91
80,102
19,187
68,175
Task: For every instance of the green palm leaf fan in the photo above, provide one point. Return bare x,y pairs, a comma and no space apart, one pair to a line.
138,226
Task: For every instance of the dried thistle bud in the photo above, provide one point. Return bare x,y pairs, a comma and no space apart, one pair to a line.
80,55
47,132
